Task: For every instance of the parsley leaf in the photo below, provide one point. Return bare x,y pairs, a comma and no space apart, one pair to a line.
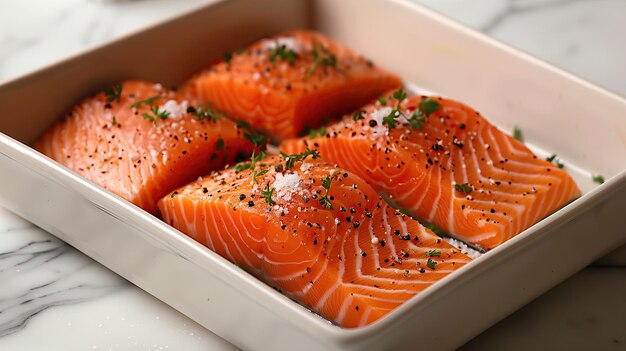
399,95
321,56
156,114
253,160
428,106
228,56
242,166
324,199
433,253
281,51
219,144
416,119
390,119
357,115
326,182
597,179
113,93
463,188
267,194
517,134
258,174
555,159
290,160
431,264
258,139
317,132
404,211
433,228
207,112
147,101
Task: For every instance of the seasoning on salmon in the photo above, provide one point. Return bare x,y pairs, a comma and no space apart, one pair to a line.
141,141
317,233
447,165
284,84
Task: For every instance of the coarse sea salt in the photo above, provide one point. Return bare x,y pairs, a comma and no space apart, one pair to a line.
472,253
378,116
288,42
174,108
305,166
286,185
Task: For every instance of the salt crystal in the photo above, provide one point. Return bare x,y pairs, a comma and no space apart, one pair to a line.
305,166
174,108
286,185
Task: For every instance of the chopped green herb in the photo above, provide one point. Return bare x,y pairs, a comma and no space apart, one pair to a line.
317,132
290,160
404,211
357,115
324,199
433,228
258,139
227,57
431,264
555,159
242,166
156,114
382,100
463,188
267,194
253,160
114,122
399,95
258,174
219,144
113,93
390,119
207,112
281,52
597,179
416,120
433,253
326,182
322,57
517,134
147,101
428,106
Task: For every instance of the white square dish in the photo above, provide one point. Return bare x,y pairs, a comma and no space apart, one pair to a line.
584,124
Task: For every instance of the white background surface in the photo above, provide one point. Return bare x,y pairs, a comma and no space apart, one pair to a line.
54,298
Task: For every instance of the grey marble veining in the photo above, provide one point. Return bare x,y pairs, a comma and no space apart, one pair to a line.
584,37
38,271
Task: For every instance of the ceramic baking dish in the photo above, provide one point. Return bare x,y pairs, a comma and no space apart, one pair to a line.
556,111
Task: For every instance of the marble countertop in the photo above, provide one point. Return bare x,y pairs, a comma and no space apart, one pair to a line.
53,297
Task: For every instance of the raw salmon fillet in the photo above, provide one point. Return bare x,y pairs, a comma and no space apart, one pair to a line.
142,149
285,84
447,165
317,233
